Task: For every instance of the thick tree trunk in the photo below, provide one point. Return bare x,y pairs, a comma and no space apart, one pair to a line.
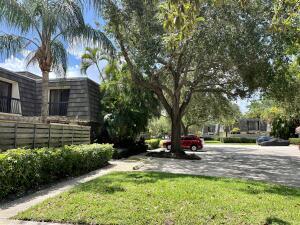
176,136
45,88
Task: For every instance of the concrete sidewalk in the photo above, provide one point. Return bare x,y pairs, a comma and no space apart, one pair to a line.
11,209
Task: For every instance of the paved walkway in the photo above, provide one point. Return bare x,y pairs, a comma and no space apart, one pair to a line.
13,208
273,164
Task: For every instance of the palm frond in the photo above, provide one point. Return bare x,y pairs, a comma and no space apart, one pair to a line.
31,58
15,14
60,58
11,45
84,66
89,36
69,11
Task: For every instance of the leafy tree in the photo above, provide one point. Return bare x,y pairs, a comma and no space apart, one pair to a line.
227,49
209,108
158,127
93,56
44,28
126,108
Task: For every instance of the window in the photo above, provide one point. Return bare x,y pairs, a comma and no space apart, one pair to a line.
58,105
5,97
253,125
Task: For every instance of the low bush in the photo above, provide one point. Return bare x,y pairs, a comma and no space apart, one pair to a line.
153,143
21,170
211,139
238,140
294,141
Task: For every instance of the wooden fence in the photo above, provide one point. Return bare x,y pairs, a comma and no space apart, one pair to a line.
15,134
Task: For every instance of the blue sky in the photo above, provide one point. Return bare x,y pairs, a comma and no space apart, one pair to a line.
18,63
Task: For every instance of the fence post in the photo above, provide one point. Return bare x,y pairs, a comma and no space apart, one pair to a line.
49,136
34,135
15,138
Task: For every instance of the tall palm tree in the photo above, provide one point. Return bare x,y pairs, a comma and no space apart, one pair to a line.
46,28
93,56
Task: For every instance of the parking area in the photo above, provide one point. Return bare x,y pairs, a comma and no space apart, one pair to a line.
273,164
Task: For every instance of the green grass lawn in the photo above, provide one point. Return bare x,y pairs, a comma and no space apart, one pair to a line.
162,198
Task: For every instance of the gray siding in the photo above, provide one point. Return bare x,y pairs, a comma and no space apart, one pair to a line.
27,89
84,98
78,106
94,100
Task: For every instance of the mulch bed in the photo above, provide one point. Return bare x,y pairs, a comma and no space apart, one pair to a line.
164,154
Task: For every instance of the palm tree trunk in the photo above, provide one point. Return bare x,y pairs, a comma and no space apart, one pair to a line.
45,88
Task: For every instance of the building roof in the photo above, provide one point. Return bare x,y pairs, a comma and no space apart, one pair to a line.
29,75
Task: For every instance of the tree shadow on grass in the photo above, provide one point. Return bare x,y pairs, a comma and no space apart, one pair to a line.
116,182
276,221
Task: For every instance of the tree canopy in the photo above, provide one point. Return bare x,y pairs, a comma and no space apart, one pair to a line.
219,48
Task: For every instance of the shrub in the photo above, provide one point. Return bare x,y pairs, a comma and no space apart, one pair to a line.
211,139
235,130
153,143
238,140
295,141
22,169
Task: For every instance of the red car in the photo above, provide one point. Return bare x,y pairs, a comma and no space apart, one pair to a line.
187,142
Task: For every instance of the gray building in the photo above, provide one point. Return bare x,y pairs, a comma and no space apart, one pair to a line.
246,126
76,99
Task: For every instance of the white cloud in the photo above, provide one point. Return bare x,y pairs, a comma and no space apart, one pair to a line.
18,64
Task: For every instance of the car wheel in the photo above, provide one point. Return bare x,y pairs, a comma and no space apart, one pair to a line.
169,147
194,148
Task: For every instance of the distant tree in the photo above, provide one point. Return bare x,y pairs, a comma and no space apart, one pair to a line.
93,57
158,127
45,28
209,108
209,48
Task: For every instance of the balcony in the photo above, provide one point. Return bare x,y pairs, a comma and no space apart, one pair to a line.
58,108
10,105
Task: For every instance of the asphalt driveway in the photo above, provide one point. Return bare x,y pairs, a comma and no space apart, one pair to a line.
273,164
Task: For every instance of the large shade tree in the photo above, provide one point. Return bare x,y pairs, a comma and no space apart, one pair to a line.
221,48
45,28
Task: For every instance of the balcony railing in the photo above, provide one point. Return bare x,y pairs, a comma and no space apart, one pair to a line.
10,105
58,108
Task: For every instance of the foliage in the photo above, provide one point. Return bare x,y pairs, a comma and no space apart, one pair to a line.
93,56
158,127
153,143
284,128
294,141
149,197
21,170
235,130
237,140
265,109
126,107
45,28
210,108
223,49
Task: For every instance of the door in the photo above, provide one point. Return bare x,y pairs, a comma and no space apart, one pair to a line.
5,97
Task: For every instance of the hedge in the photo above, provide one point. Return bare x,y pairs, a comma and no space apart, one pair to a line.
153,143
238,140
295,141
21,170
211,139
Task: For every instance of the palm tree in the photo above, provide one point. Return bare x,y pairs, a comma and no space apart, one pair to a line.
46,28
93,56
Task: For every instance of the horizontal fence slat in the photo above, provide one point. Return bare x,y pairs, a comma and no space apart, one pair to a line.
29,135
